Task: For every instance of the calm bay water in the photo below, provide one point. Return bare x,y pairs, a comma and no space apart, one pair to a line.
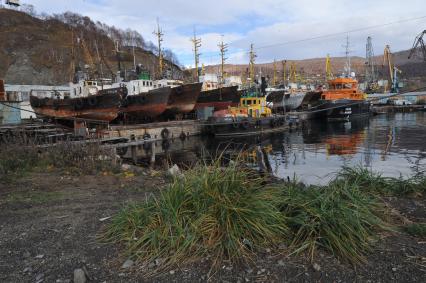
390,144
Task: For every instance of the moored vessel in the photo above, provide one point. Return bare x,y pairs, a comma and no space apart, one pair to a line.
343,100
219,98
102,106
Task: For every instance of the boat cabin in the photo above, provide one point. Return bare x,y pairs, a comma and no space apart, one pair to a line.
251,107
343,88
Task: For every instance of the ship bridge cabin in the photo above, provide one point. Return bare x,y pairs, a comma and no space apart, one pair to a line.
343,88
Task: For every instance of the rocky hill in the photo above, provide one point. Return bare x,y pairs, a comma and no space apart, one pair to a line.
40,51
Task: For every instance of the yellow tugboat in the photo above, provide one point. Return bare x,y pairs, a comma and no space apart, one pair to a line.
252,116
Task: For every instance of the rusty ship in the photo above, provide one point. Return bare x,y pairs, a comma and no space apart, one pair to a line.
86,100
219,98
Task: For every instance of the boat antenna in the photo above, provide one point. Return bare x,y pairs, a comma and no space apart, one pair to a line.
223,48
197,44
159,33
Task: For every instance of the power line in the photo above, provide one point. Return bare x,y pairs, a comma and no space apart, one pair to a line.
324,36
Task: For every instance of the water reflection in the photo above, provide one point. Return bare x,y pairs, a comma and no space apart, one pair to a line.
390,144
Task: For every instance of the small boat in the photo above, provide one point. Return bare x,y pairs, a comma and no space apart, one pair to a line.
343,100
85,100
252,116
219,98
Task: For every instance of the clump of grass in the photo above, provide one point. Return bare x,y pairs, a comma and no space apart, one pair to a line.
416,229
210,211
376,183
16,160
339,217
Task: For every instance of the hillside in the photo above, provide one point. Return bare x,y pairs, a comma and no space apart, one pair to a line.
413,70
36,51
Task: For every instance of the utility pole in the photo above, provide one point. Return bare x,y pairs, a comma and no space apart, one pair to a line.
159,33
223,48
284,63
275,72
197,44
251,64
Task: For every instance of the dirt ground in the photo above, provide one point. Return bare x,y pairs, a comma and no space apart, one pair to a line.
49,224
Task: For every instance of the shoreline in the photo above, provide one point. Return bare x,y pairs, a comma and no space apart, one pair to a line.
51,222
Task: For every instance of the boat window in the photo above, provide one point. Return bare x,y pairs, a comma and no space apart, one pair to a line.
89,83
80,90
248,102
347,86
134,88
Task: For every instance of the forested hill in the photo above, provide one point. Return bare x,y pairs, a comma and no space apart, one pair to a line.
38,49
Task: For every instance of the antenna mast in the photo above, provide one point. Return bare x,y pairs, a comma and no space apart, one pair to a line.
197,44
159,33
251,64
223,48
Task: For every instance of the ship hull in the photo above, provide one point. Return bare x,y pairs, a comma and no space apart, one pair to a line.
344,109
243,126
219,98
102,107
147,105
283,100
182,99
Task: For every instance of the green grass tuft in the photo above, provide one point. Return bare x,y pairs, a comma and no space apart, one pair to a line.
221,212
339,218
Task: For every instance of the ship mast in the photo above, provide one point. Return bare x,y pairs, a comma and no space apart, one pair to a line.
251,64
197,44
159,33
284,62
72,65
223,48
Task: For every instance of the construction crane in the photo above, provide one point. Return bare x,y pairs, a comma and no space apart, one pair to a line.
293,75
418,41
275,73
328,72
371,84
393,71
284,63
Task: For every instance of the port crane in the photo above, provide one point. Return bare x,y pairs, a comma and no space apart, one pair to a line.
328,72
393,71
418,41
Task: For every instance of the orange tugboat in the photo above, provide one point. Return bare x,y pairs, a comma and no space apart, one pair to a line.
343,100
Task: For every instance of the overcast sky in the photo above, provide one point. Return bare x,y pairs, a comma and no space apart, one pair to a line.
277,29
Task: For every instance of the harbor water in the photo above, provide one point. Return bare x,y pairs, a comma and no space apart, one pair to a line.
393,145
